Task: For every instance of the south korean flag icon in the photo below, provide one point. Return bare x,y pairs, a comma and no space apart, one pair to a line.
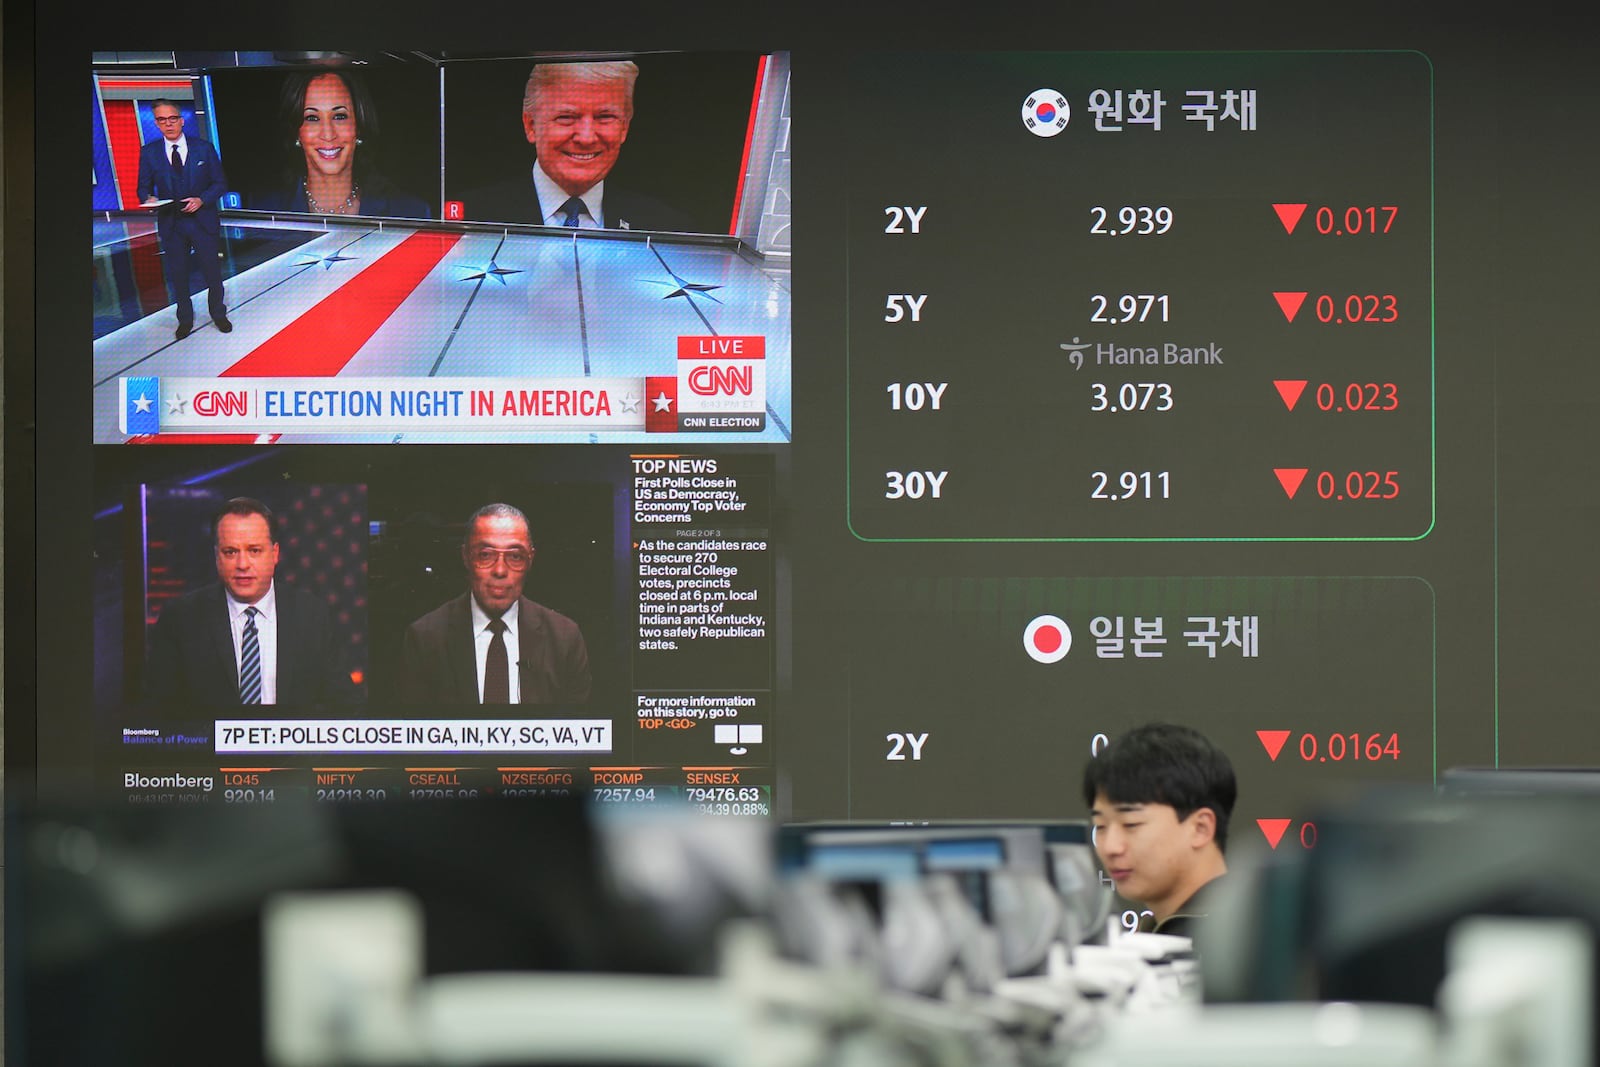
1045,112
1047,639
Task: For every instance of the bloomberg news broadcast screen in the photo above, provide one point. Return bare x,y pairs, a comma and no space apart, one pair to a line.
279,620
573,577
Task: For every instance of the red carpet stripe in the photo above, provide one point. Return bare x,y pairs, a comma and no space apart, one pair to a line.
329,334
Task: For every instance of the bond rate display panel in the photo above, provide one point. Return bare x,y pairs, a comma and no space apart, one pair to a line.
379,253
1020,680
1153,296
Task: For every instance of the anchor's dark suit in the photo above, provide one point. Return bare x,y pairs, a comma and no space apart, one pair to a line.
200,230
191,667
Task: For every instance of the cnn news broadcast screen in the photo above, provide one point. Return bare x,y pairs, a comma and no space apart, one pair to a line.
516,248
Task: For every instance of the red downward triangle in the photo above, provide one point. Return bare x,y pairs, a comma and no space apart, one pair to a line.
1272,741
1272,829
1289,215
1290,303
1290,478
1290,391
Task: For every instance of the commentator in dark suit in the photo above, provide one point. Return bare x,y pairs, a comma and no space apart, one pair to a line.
576,115
493,645
187,171
249,640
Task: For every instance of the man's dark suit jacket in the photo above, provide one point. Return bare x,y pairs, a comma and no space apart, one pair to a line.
440,666
202,177
516,201
191,667
199,230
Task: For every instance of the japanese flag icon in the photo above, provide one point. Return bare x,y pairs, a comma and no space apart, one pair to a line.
1047,639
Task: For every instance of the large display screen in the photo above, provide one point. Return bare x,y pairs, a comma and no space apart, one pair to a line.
869,420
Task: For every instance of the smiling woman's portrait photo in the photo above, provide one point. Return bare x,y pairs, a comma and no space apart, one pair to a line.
331,137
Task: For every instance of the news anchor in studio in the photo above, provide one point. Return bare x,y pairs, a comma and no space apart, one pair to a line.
248,640
492,645
187,171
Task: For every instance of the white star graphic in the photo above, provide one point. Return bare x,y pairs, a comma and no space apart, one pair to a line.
327,261
177,406
663,402
493,270
142,404
630,404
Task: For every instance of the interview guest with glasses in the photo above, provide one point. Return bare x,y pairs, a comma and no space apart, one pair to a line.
183,175
492,645
248,639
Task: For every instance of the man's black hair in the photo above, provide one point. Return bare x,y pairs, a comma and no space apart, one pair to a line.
244,505
1160,763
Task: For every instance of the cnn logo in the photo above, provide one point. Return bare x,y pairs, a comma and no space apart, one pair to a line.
221,402
722,381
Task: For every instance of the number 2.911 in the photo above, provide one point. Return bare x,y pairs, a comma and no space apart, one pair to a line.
1130,485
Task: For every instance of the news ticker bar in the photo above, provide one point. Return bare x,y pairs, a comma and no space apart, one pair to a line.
250,782
720,387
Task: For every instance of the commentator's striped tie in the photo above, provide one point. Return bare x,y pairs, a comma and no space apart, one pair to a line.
250,661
